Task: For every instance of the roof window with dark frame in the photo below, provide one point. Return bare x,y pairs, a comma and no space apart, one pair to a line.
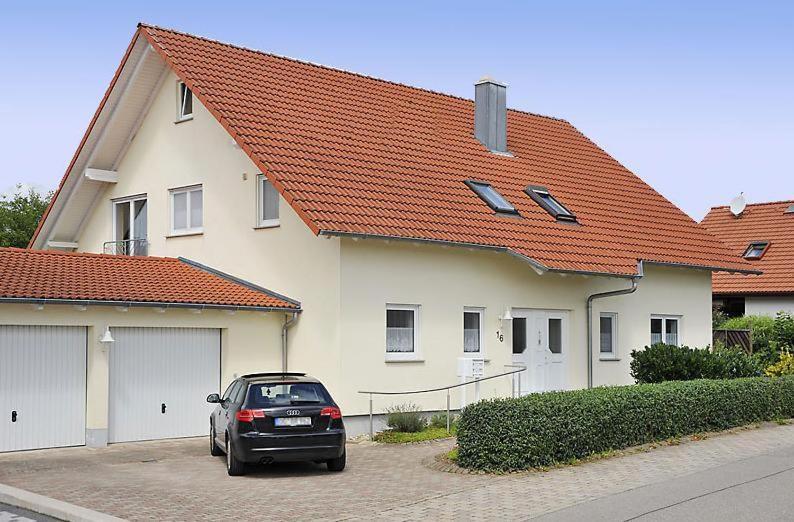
491,197
756,250
549,203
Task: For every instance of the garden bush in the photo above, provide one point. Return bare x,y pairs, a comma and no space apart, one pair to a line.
405,417
763,332
785,366
439,420
664,362
556,427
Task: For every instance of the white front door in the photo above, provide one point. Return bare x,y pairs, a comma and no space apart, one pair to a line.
540,342
159,382
42,386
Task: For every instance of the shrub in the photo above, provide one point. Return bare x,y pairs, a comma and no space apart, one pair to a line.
785,366
664,362
405,417
547,428
783,331
439,420
763,331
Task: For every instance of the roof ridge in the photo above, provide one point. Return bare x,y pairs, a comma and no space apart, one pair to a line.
336,69
778,202
87,254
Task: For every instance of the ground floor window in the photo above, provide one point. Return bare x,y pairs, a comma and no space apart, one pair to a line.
472,330
665,329
402,327
608,334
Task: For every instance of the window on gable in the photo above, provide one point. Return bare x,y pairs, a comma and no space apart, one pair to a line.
187,210
756,250
491,197
185,107
549,203
267,203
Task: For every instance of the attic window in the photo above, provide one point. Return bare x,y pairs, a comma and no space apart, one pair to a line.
756,250
185,108
790,209
489,194
549,203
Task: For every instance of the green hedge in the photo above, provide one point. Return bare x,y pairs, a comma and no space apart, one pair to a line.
664,362
547,428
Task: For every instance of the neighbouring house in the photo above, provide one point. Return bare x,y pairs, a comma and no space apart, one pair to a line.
763,234
415,228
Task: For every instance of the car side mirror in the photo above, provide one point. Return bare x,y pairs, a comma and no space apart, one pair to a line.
214,398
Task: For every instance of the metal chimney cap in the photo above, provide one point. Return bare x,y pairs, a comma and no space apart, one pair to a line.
488,79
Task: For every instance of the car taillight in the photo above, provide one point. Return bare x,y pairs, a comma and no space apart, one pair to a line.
333,411
249,415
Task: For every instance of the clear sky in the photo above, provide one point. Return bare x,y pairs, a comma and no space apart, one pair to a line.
698,100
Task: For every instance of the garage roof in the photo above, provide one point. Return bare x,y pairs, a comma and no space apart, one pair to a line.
760,223
78,278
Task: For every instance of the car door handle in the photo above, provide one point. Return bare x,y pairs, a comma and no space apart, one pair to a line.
162,408
14,416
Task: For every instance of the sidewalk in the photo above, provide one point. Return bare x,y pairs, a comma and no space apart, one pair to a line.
178,480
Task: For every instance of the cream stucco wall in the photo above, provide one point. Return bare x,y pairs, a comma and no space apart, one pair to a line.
344,285
770,306
248,339
444,280
288,259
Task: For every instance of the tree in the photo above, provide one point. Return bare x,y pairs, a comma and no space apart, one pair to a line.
19,215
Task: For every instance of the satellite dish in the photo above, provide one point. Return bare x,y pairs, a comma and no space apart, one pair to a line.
738,204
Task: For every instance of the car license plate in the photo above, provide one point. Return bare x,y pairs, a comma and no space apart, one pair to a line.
293,421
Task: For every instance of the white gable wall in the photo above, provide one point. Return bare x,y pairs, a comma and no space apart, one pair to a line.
288,259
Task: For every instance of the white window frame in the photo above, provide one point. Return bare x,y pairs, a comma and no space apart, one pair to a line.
481,313
665,318
613,355
185,231
128,200
414,356
261,179
180,103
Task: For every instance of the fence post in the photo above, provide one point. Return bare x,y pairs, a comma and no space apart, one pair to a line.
371,426
447,410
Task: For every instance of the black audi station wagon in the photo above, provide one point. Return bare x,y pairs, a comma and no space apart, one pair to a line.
276,417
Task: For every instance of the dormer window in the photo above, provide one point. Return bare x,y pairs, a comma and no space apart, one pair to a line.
756,250
549,203
491,197
185,107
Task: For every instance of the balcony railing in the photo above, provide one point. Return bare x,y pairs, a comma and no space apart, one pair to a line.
127,247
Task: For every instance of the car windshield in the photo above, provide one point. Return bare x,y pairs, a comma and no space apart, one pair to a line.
267,395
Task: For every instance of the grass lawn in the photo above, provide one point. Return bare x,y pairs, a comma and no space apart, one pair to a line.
400,437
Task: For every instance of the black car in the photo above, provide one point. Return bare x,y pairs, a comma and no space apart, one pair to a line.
276,417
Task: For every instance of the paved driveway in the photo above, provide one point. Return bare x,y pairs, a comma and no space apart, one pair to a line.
178,480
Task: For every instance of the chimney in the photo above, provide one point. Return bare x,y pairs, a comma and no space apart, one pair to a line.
490,114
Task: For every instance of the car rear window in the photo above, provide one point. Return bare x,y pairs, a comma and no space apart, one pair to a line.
286,394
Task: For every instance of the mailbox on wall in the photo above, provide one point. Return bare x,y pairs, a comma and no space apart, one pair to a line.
469,369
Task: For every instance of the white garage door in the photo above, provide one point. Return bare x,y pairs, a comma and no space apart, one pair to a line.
42,386
159,382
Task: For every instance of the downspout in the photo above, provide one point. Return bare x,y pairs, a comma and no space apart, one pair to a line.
633,288
288,321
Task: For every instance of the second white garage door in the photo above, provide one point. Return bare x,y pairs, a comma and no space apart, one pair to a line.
159,381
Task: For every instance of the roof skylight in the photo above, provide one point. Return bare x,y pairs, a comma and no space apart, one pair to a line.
549,203
489,194
756,250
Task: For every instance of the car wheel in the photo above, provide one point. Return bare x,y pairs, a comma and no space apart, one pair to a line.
234,467
337,464
215,451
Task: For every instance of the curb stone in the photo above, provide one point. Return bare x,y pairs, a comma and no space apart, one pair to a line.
50,506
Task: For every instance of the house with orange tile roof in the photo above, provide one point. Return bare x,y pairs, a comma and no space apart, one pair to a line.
763,234
427,237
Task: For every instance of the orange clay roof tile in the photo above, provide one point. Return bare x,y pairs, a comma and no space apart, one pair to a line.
759,222
35,274
354,154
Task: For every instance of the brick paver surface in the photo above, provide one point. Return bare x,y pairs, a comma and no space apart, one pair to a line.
178,480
